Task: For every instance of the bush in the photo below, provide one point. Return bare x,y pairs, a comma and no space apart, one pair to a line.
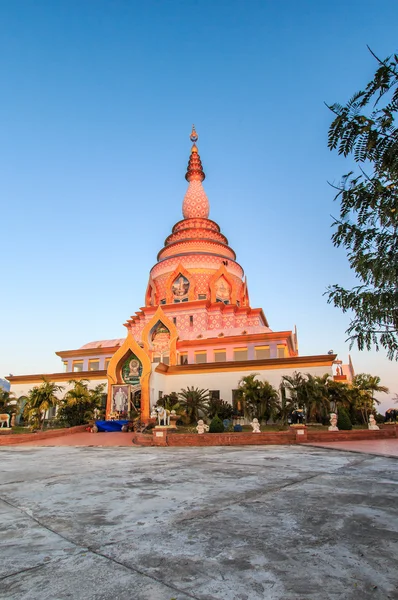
343,420
220,408
379,418
216,425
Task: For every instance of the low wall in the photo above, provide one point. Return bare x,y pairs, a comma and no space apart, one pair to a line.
19,438
351,436
300,435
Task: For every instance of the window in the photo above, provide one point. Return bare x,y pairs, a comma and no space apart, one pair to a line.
220,355
237,403
165,359
77,366
160,395
175,320
183,358
156,359
223,301
163,301
214,394
240,354
202,296
93,365
262,352
191,320
200,358
281,352
107,361
65,366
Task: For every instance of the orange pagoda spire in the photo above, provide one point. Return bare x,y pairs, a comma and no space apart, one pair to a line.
196,204
195,171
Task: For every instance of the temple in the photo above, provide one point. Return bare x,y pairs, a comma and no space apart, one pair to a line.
196,328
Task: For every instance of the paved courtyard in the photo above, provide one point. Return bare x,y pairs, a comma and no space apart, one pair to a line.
270,522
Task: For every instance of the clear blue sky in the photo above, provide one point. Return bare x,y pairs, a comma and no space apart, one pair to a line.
97,102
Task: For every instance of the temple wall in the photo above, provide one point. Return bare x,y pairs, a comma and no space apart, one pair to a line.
22,389
226,381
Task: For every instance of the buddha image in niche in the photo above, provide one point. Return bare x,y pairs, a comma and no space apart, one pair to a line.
134,368
160,338
131,370
222,289
180,287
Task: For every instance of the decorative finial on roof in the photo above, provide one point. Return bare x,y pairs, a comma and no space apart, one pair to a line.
196,204
194,136
195,171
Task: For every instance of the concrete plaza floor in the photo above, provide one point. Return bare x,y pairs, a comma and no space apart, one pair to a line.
247,523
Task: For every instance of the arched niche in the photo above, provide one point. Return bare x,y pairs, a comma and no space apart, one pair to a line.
180,286
245,294
222,278
159,343
130,365
160,318
151,296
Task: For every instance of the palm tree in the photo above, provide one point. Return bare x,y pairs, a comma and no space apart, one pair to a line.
249,393
39,400
294,385
195,402
80,403
367,386
79,393
317,397
260,399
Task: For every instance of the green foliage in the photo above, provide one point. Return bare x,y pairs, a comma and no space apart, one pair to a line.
259,398
80,404
169,401
343,420
9,403
363,388
309,393
195,402
216,425
39,400
367,226
221,408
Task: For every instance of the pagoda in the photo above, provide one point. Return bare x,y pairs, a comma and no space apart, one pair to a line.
197,327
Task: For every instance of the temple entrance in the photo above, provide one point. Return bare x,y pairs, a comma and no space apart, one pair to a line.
135,402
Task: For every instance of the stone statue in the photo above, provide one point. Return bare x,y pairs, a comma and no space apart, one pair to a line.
372,423
5,418
163,415
256,426
153,414
202,427
333,422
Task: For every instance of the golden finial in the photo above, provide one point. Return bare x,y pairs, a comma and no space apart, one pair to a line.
194,136
195,171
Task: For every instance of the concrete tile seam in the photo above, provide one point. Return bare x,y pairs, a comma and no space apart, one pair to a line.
34,568
90,549
243,498
368,454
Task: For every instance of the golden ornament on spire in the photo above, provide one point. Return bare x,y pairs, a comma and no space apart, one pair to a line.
194,136
195,171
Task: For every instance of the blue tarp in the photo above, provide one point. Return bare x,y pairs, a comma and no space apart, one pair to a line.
110,425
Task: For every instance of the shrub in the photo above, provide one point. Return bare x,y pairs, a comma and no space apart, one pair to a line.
343,420
216,425
220,408
379,418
